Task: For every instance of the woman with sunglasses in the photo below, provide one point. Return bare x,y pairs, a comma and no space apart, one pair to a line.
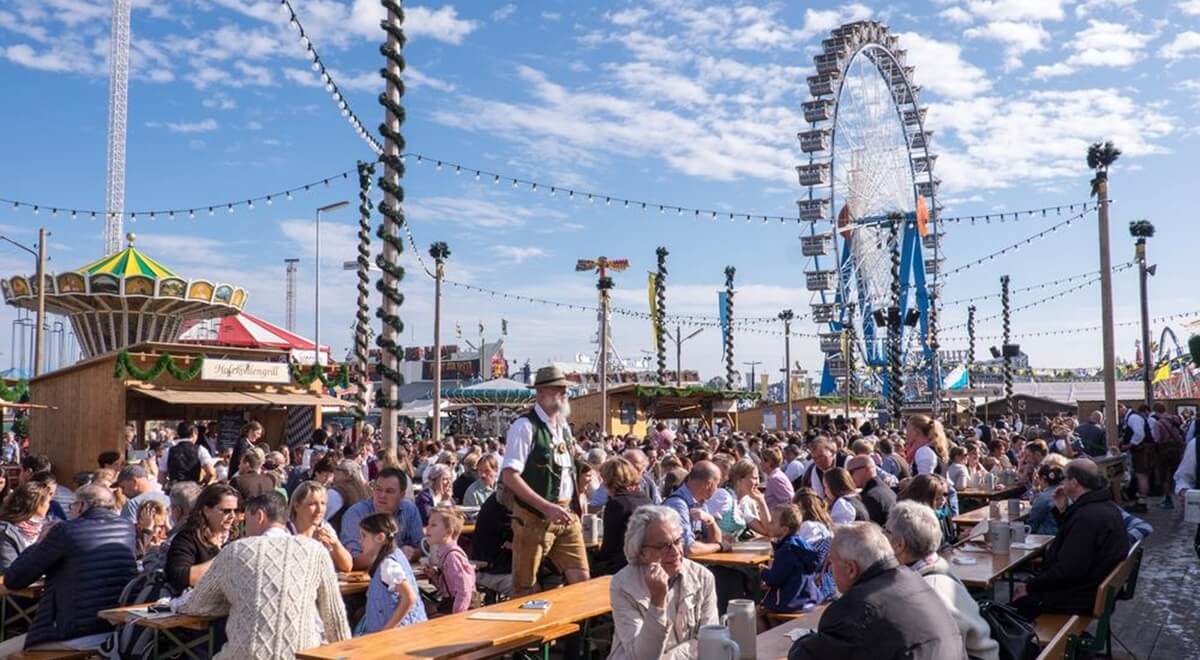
201,536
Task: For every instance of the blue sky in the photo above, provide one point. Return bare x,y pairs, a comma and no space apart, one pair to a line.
689,103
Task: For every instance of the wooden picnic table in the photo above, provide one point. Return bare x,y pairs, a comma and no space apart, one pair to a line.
972,518
774,644
750,554
353,583
985,495
989,567
458,634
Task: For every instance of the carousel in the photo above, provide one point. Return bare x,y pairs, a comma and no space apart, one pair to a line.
124,299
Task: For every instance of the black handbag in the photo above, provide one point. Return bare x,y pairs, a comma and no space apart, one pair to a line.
1014,633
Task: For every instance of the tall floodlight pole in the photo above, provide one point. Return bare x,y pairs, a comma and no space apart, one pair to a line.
604,284
439,251
1141,230
389,231
678,338
118,99
787,316
39,342
317,279
1101,156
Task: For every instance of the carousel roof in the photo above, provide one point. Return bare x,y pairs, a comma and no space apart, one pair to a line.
129,261
124,299
497,392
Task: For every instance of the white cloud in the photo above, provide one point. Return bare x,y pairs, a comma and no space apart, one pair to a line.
203,126
48,60
518,255
1185,44
1017,10
629,17
957,15
253,74
254,126
442,24
552,16
1041,136
504,11
302,77
1101,44
219,101
479,213
941,69
1018,38
1088,6
1190,7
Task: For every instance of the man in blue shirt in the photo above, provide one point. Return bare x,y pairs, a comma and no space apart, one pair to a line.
388,497
701,483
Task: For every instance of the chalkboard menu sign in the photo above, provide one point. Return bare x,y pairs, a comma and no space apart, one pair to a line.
229,426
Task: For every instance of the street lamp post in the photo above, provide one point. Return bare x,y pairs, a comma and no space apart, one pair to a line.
678,338
1141,230
317,279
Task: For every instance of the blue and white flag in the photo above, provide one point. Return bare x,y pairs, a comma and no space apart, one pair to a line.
956,379
723,317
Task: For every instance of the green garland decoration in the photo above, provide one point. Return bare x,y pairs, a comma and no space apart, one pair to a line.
341,377
125,368
14,393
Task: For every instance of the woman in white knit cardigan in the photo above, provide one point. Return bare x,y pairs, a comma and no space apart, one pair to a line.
916,535
279,591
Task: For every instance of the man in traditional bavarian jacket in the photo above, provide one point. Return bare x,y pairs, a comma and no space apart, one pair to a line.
539,471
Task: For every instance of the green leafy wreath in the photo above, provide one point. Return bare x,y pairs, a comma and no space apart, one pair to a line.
14,393
315,372
165,362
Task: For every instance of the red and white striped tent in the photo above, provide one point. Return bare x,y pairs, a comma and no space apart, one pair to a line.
244,330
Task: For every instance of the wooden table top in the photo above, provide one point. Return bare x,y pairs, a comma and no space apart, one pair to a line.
1001,493
775,643
972,518
990,567
456,634
734,558
120,615
353,583
34,590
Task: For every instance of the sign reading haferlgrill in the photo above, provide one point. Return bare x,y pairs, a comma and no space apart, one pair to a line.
245,371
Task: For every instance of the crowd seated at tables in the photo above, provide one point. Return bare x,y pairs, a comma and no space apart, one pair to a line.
855,520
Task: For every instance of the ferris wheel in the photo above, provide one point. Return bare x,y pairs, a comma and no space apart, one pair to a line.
871,202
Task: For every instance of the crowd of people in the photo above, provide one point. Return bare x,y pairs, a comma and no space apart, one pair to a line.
856,516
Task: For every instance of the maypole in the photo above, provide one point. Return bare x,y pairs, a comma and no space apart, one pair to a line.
393,218
362,326
729,373
660,314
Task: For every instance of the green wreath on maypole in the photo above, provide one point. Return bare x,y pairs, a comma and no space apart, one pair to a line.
393,216
315,372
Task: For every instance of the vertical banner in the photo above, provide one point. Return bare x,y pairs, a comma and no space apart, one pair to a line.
650,282
723,315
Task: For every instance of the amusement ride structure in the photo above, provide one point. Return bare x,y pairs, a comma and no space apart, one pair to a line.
870,177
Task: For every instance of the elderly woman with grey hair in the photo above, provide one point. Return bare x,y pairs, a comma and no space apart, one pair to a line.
437,490
659,600
916,535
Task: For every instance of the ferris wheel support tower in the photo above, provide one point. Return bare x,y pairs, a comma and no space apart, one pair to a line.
118,99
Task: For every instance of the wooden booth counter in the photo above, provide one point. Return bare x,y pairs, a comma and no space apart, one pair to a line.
89,406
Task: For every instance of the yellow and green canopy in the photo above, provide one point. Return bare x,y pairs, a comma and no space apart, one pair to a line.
128,262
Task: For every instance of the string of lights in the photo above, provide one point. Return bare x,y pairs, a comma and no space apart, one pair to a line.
678,319
1042,301
170,213
1075,331
1017,246
326,79
1036,287
1008,216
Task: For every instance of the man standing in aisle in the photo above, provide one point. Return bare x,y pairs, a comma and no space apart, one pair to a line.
539,473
